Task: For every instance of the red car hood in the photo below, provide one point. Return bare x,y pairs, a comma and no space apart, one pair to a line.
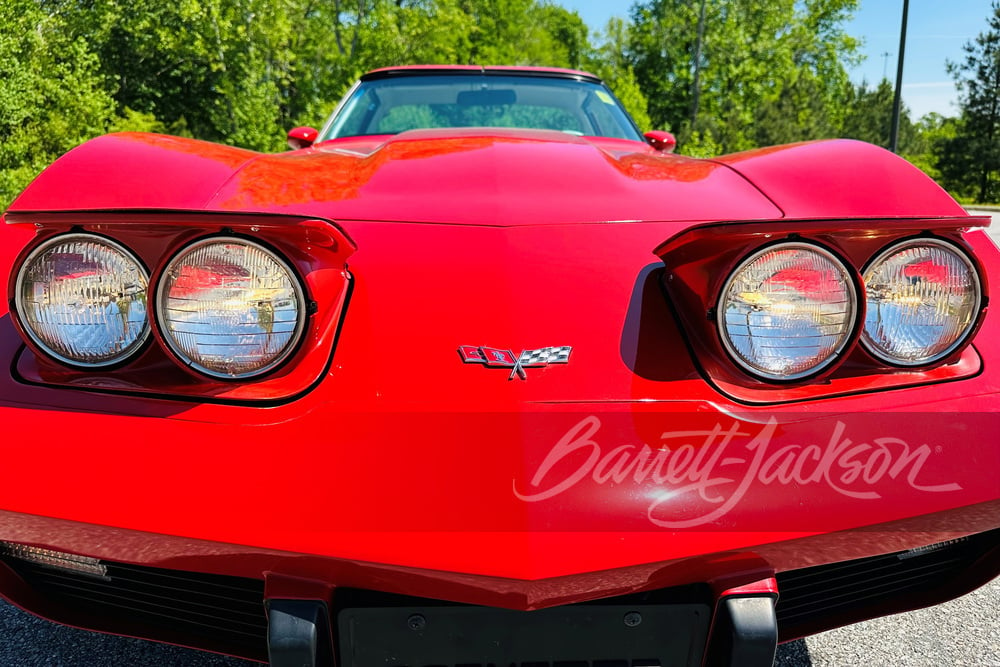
493,177
479,176
489,177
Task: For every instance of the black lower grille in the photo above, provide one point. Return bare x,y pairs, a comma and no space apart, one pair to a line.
571,636
838,589
652,629
227,614
566,663
214,612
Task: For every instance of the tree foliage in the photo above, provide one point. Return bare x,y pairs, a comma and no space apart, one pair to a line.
52,95
969,161
766,71
244,71
868,117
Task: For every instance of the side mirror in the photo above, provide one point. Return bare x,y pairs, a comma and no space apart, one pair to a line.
301,137
665,142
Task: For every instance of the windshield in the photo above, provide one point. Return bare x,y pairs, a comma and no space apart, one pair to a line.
398,104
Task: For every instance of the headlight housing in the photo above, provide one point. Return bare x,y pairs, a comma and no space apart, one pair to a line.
230,308
787,311
82,299
923,297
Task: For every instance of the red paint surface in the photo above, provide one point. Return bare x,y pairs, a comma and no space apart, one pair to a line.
842,179
401,468
426,451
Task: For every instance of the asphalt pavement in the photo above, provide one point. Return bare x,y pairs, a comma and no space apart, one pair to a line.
964,632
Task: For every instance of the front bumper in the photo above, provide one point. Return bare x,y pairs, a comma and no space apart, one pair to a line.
229,599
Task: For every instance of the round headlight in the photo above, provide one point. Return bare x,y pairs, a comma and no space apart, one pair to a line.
230,308
787,311
82,299
923,298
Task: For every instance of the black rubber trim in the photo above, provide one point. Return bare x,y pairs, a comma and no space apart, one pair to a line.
295,632
482,71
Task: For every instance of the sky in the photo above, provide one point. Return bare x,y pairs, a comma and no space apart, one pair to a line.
936,31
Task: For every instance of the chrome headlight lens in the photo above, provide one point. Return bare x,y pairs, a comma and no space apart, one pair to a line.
923,298
82,299
230,308
787,311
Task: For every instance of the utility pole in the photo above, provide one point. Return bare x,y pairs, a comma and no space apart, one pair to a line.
885,64
897,100
696,93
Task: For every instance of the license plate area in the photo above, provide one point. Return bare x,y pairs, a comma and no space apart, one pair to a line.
587,635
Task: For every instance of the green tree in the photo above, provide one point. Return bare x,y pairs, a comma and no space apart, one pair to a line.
799,112
659,47
810,102
221,70
868,117
52,94
570,37
770,65
243,71
157,57
414,32
970,161
933,133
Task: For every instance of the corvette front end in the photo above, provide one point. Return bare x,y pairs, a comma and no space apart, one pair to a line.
492,396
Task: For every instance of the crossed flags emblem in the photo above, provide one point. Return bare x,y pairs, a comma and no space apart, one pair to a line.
498,358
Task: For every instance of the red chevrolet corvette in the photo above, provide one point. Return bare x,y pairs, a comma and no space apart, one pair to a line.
478,374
